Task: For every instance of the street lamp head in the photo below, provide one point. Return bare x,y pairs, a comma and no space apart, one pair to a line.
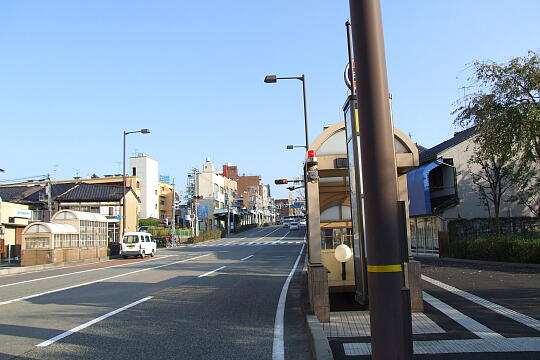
145,131
290,147
270,79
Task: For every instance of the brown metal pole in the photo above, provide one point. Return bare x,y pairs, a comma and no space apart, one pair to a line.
124,189
387,313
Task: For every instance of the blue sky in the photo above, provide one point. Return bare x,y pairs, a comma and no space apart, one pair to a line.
75,74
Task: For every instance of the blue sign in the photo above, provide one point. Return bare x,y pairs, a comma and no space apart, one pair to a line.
117,217
165,179
202,212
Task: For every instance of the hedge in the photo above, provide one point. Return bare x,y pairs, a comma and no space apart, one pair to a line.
209,235
510,248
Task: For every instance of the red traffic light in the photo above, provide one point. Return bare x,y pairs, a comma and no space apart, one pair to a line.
281,181
201,197
198,197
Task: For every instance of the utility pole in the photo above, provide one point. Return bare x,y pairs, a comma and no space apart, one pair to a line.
49,196
388,299
173,226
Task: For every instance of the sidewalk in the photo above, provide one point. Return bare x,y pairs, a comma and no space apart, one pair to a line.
472,311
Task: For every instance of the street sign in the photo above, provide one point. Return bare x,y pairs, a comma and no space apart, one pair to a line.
192,216
197,204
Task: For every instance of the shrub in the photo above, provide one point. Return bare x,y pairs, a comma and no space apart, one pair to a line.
512,248
209,235
149,222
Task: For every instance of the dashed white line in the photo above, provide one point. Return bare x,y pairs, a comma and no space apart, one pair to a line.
247,257
211,272
96,281
91,322
283,237
278,347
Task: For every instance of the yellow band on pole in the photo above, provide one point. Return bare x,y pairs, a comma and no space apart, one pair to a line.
384,268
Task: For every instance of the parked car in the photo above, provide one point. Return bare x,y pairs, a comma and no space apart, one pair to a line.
286,223
294,226
138,244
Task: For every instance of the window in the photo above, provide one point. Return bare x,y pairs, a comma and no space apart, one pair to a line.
156,192
162,202
111,211
138,185
331,238
134,171
341,163
156,206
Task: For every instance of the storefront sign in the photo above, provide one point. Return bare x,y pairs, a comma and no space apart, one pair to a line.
25,214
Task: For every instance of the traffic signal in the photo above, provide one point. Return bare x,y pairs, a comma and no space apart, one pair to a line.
281,181
198,197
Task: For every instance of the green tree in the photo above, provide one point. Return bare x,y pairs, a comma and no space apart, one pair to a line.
505,107
493,176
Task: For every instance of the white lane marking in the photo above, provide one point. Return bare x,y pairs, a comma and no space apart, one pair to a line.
211,272
80,272
247,257
271,232
96,281
91,322
278,347
283,237
457,346
514,315
468,323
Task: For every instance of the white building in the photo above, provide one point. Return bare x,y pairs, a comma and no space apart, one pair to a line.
146,168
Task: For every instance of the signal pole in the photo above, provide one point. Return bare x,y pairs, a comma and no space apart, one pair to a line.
389,307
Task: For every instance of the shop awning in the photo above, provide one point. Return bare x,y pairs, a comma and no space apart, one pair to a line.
418,189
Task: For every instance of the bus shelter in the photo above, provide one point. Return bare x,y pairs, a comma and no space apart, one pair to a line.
70,236
335,200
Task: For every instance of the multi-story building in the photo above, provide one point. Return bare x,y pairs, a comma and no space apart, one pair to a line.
220,193
146,169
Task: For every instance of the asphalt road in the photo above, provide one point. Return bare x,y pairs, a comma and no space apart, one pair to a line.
218,300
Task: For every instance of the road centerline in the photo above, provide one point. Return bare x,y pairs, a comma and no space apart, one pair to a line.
81,272
247,257
211,272
96,281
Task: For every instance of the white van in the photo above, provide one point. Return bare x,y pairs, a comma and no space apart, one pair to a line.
138,244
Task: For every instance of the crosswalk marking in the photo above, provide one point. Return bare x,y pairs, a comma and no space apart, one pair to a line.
514,315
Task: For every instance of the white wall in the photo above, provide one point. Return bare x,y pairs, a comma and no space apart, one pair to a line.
147,171
470,206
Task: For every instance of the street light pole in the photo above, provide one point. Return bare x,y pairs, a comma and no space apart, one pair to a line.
273,79
126,133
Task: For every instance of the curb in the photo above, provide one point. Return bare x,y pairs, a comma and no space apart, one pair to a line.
318,340
480,262
19,270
